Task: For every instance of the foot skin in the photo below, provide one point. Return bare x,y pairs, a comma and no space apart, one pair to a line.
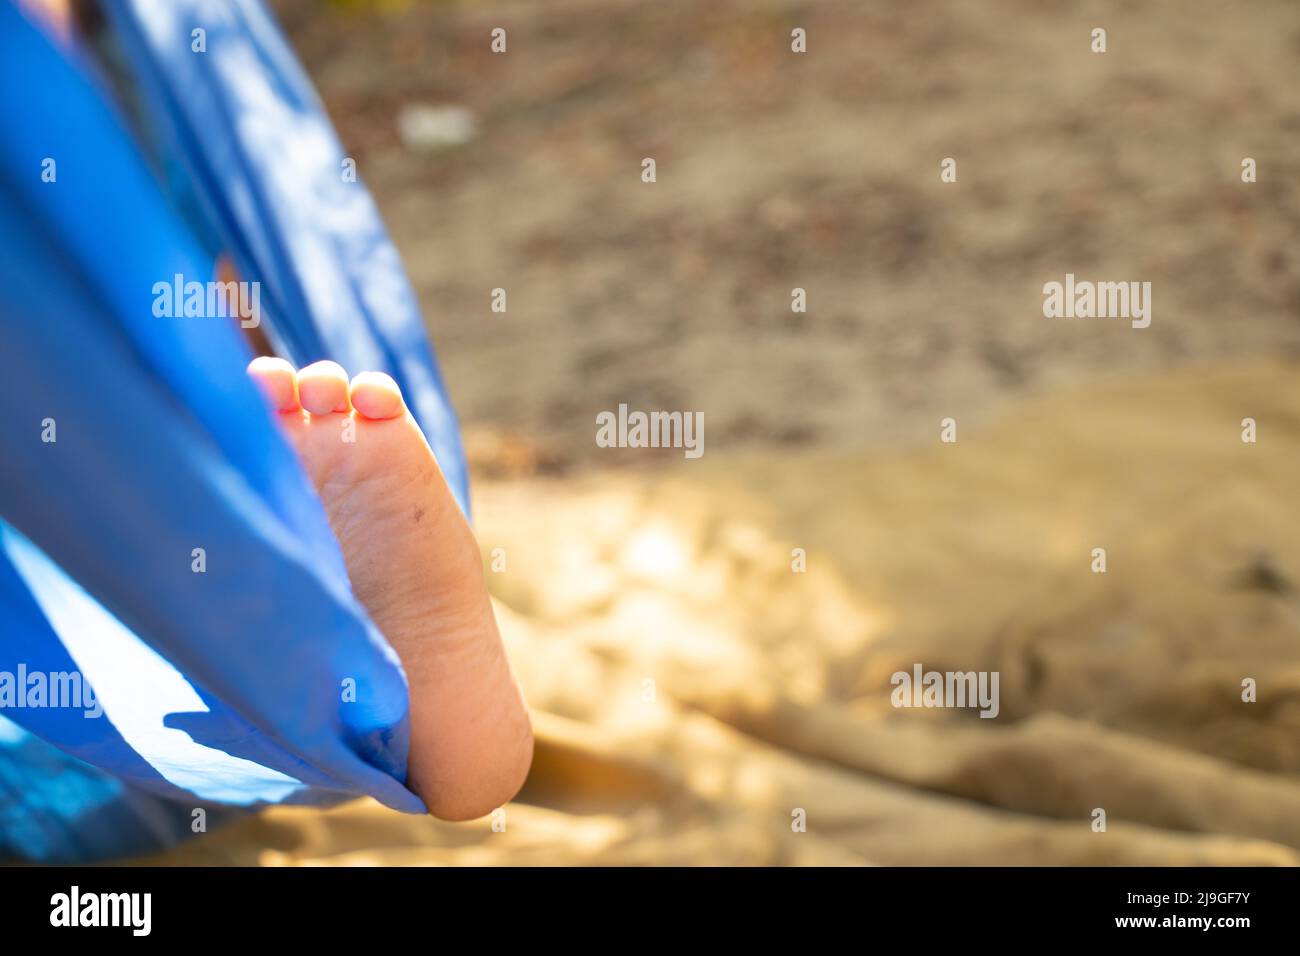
415,566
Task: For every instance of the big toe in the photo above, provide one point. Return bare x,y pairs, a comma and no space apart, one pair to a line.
375,395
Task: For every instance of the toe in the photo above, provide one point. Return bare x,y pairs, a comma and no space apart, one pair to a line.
277,380
376,395
323,388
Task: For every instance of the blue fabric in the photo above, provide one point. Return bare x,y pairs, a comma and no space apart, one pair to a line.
253,677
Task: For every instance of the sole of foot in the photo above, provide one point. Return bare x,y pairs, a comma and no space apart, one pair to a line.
415,567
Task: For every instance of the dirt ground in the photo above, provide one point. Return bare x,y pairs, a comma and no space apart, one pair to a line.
694,693
821,171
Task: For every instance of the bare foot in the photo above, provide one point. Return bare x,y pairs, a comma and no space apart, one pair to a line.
415,567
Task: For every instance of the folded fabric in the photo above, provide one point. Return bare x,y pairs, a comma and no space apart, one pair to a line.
163,560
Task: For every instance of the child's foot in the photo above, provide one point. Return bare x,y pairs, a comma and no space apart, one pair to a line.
415,567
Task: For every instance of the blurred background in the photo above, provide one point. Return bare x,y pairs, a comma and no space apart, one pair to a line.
697,699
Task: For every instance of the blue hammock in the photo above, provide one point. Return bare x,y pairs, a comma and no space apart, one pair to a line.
159,541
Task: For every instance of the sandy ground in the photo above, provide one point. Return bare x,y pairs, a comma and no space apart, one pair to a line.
696,697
